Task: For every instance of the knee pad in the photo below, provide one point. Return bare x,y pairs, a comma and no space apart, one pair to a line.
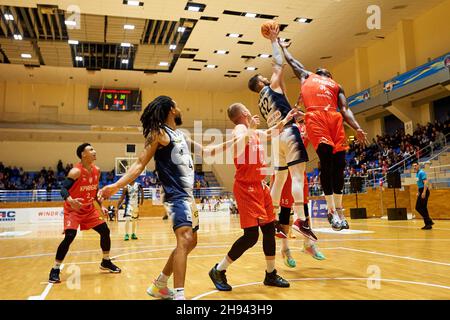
269,244
248,240
69,235
284,216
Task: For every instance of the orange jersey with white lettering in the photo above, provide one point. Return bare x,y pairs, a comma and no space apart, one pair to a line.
320,92
85,187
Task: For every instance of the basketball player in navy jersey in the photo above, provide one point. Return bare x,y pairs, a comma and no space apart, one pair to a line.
290,154
175,170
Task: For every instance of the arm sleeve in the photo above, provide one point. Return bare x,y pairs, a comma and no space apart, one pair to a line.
277,55
65,186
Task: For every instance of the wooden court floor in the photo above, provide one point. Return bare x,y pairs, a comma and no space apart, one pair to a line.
381,260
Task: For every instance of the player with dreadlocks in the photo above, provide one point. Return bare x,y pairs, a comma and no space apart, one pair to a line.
175,170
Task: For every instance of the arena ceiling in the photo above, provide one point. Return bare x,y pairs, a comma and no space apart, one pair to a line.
166,44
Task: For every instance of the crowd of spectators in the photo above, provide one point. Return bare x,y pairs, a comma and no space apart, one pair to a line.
13,178
388,150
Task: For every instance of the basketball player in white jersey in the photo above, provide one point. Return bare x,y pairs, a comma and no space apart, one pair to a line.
290,154
133,195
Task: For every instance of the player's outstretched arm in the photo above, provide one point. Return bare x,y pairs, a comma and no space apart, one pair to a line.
133,172
348,116
298,68
276,81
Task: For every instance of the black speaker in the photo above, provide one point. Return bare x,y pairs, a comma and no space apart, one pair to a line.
393,180
397,214
358,213
356,184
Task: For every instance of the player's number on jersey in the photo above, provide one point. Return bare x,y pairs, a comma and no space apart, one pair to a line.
265,107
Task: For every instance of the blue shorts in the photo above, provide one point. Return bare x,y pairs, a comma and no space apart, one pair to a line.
183,213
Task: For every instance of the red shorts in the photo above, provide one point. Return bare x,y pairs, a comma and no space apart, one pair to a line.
287,200
254,204
326,127
86,221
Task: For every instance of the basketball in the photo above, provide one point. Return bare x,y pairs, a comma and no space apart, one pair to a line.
267,26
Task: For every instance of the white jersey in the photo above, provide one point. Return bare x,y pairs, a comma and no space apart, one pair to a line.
132,197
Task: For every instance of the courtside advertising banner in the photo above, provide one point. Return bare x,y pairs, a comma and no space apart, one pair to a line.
31,215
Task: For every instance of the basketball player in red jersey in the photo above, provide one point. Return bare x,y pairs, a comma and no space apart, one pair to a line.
252,196
326,109
79,190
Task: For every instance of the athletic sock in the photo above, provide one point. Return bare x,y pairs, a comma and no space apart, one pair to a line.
106,256
270,265
284,244
224,264
57,265
330,203
299,212
161,281
338,200
178,294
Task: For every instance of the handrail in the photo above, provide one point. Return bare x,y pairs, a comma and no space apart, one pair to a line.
42,195
444,165
414,155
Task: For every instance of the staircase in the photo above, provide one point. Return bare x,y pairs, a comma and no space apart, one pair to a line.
437,169
211,179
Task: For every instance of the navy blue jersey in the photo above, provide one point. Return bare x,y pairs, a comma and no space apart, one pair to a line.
273,106
174,167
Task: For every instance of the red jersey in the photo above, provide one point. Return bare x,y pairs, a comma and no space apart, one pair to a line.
250,163
85,187
320,93
302,129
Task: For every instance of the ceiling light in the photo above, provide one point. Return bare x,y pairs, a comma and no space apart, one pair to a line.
172,47
303,20
125,61
221,51
73,41
78,58
251,68
181,29
71,23
18,37
193,8
125,44
250,15
164,64
234,35
26,55
211,66
264,55
133,3
128,27
8,17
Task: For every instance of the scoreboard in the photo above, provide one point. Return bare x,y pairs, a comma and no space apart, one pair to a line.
115,99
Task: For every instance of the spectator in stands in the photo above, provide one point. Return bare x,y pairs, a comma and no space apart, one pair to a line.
110,177
440,139
59,167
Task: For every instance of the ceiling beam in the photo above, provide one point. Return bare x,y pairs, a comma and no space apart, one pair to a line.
34,22
27,23
52,29
58,24
41,20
